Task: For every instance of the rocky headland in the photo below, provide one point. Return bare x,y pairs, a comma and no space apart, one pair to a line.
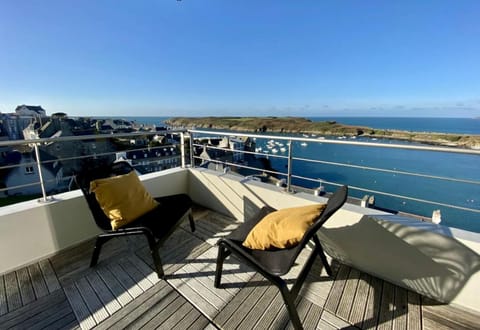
298,125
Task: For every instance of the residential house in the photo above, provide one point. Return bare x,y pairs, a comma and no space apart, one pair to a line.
24,178
152,159
30,110
12,125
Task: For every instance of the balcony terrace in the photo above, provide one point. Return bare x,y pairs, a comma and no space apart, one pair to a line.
123,291
389,271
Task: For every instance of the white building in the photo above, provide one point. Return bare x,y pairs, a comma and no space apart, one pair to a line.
30,110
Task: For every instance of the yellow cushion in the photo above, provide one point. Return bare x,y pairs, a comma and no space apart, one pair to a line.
123,198
283,228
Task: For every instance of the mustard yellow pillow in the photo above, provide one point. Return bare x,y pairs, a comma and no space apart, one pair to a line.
123,198
283,228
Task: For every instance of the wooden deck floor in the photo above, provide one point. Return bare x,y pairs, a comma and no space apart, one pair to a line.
122,291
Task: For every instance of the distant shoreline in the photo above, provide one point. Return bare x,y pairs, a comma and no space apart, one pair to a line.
299,125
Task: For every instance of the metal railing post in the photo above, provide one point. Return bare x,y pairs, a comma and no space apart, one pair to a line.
40,174
182,148
192,164
289,166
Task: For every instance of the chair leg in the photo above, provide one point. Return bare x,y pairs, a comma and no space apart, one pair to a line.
222,254
322,255
96,250
190,218
290,304
157,262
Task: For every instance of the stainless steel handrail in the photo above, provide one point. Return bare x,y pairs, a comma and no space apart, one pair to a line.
289,175
36,143
188,139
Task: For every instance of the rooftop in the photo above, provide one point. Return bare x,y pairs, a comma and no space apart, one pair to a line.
123,291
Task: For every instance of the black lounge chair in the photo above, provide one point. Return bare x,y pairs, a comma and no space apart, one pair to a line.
156,225
274,263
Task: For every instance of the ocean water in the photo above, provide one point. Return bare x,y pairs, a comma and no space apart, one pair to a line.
441,125
464,167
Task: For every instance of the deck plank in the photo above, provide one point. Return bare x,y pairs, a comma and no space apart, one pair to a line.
137,307
67,322
400,310
324,325
146,271
239,271
317,285
204,324
44,319
206,264
334,320
125,280
385,317
25,286
431,324
104,294
243,295
188,321
372,309
360,301
346,300
97,310
337,290
49,275
176,251
259,309
449,316
118,291
74,262
165,313
38,283
3,297
207,281
135,274
271,311
205,306
175,316
313,317
82,313
14,299
414,317
142,316
23,314
303,307
197,285
244,309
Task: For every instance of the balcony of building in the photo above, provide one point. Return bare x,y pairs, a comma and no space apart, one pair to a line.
389,270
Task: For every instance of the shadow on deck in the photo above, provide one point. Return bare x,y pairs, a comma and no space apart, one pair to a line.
123,291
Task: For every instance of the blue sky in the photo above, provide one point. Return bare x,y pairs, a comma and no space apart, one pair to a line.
278,57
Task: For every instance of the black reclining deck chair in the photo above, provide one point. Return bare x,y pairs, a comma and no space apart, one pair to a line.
156,225
274,263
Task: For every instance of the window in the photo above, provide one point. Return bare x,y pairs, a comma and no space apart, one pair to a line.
29,170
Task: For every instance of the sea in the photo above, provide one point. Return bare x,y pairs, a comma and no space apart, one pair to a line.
464,167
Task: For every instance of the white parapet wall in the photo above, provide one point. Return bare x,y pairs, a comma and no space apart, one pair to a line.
32,230
436,261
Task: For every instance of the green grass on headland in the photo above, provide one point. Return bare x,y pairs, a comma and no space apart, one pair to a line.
302,125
